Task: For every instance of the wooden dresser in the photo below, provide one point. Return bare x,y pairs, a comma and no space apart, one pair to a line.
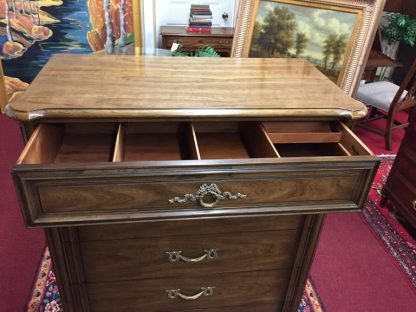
400,187
185,184
220,38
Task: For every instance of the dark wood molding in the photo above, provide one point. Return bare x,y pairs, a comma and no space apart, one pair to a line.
64,249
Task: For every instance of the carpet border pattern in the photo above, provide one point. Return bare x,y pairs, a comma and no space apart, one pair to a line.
45,294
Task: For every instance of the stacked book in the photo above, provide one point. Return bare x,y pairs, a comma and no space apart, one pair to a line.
200,18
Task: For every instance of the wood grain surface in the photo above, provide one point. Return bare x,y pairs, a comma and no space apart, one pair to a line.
121,260
143,193
86,86
137,230
233,289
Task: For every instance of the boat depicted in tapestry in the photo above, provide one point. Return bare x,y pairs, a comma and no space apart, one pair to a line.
32,31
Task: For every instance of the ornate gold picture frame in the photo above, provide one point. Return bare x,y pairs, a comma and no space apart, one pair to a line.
334,35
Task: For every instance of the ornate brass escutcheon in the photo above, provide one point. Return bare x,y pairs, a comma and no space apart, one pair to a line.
208,196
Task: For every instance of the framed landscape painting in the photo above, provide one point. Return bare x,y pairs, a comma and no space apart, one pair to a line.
334,35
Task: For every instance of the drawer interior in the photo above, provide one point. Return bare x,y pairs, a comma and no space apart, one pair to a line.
70,143
145,142
309,149
309,139
233,141
172,141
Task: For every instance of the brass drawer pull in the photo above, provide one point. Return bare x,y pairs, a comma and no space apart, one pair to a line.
208,196
414,204
175,293
176,256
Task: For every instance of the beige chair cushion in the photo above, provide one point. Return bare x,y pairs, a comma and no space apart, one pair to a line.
379,94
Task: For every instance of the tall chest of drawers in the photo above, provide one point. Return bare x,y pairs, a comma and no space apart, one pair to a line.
175,184
400,187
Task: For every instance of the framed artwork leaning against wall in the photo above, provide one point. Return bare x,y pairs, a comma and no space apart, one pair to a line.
334,35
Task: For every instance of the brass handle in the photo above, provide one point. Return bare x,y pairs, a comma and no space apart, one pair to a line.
175,293
211,197
414,204
223,42
176,256
206,192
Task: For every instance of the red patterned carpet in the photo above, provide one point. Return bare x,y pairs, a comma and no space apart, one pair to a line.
395,239
376,142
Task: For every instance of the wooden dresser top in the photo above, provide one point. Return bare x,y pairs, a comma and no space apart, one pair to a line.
148,87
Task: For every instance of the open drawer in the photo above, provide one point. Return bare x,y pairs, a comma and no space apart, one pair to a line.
105,172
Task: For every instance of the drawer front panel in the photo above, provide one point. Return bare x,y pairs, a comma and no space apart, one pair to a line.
198,42
189,228
179,256
234,289
84,196
144,196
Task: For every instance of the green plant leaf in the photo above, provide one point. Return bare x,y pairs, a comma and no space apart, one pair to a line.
400,27
205,51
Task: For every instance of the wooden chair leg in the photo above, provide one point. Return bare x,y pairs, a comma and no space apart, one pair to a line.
389,132
373,112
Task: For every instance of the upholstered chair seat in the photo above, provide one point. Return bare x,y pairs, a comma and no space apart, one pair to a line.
379,94
385,100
